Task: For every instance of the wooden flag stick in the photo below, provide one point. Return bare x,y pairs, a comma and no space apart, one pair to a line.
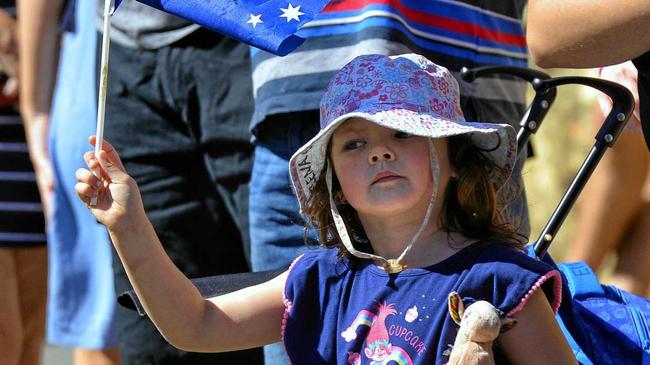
109,7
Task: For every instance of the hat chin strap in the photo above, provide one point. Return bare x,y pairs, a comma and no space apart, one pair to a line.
391,266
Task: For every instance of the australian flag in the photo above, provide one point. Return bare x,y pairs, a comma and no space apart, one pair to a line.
267,24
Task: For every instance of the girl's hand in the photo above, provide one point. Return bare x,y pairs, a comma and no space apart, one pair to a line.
118,202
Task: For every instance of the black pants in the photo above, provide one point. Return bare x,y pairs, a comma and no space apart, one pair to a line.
178,117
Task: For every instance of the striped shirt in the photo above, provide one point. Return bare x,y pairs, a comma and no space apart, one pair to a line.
452,33
21,214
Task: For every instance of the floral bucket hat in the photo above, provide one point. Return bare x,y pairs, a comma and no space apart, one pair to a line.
407,93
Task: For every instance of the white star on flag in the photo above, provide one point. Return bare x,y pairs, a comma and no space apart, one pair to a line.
255,20
291,13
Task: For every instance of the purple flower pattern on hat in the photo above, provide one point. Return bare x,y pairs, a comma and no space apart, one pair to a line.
380,83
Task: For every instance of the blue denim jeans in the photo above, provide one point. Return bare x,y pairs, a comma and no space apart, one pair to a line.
276,227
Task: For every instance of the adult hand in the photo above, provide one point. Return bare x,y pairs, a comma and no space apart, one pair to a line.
45,182
626,75
9,57
118,204
38,152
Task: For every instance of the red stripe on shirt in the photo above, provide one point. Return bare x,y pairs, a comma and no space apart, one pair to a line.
429,19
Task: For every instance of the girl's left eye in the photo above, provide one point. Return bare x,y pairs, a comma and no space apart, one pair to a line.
353,144
402,135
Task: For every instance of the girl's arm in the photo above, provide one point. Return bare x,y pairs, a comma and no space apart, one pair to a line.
255,314
587,33
247,318
537,338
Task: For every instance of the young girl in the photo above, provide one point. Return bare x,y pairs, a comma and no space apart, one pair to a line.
402,191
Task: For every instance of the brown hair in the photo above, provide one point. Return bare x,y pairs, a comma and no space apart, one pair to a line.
471,205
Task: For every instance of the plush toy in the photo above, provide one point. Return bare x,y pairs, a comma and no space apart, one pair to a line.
480,324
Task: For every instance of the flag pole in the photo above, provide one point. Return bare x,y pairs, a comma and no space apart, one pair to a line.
109,7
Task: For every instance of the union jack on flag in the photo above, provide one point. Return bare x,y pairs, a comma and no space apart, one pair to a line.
269,25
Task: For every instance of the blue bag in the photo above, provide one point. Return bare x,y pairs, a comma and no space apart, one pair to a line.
603,324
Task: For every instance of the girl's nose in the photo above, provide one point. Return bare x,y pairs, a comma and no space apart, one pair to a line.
381,154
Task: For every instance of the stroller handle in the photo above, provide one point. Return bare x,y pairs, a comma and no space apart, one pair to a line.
622,102
622,108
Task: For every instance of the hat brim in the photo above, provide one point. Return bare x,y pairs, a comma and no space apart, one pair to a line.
498,140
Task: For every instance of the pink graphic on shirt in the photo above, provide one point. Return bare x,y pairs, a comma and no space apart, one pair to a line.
378,347
363,318
354,358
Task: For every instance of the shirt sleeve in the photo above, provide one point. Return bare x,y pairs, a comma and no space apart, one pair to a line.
301,271
507,278
307,314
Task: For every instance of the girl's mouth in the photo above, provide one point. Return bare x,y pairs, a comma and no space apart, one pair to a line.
385,176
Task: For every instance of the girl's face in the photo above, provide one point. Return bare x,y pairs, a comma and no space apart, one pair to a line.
383,171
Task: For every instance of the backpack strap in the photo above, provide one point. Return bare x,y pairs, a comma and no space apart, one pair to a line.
582,283
581,280
577,350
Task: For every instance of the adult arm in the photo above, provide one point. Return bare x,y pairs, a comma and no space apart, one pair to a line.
8,55
38,49
537,338
587,33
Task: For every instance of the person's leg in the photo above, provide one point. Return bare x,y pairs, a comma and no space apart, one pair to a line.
219,113
224,96
153,131
610,201
96,357
632,270
277,229
23,252
11,330
31,274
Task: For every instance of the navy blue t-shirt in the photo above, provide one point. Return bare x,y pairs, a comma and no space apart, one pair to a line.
349,311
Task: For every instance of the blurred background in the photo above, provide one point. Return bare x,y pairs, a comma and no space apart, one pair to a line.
560,146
